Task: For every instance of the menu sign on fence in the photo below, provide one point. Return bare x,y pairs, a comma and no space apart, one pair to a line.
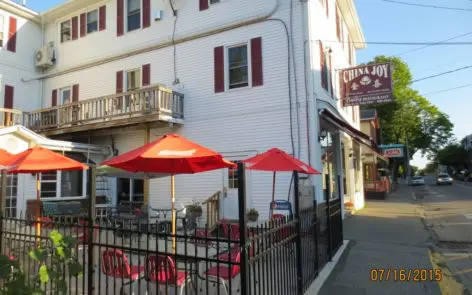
367,84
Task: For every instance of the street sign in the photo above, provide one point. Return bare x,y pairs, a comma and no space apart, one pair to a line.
367,84
393,150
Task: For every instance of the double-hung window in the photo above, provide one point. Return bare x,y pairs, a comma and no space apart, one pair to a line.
1,30
92,21
130,190
238,69
214,1
66,31
66,95
133,15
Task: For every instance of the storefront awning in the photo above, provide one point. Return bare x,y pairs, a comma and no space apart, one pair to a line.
355,134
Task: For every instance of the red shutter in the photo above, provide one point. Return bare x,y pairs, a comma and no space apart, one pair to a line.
75,28
11,45
146,13
203,4
102,15
119,88
54,98
75,93
83,25
219,54
324,83
8,102
256,61
120,26
146,75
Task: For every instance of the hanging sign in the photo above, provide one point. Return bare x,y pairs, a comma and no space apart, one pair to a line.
368,84
393,150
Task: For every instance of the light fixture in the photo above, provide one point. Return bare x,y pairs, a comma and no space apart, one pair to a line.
322,135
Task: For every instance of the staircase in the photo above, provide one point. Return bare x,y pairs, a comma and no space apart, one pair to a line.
212,210
103,196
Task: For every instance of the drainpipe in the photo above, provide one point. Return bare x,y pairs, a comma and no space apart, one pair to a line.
120,56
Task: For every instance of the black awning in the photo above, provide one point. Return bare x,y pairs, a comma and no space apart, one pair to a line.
79,157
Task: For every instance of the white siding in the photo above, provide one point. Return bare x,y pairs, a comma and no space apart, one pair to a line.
15,66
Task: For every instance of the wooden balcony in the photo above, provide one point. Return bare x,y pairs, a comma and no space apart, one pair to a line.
146,105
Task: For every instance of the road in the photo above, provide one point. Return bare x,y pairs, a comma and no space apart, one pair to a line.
447,214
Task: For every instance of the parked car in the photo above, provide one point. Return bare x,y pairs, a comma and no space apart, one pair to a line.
443,179
417,180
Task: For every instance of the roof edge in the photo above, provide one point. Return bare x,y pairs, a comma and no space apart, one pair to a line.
20,11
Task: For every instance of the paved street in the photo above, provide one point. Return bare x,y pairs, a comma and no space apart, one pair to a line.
447,213
386,235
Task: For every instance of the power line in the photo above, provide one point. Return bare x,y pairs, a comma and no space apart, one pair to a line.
448,89
428,6
434,44
399,43
442,74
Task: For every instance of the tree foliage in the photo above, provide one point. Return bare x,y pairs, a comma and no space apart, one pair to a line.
453,155
411,115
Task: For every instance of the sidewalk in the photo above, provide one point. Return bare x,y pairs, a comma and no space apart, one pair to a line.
385,235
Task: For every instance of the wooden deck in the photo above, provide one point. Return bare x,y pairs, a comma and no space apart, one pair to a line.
151,104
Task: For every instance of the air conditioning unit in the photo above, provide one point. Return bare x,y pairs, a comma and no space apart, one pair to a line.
44,57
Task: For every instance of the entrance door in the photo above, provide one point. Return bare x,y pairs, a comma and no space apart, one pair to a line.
229,207
11,199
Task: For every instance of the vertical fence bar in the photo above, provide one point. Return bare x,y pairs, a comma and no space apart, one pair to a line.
328,212
298,244
91,222
341,221
3,193
243,229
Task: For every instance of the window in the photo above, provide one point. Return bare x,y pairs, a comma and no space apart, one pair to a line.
233,177
92,21
66,31
134,15
48,185
1,30
72,183
130,190
66,95
12,194
214,1
133,79
238,67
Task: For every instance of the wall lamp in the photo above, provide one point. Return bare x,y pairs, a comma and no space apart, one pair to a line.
322,135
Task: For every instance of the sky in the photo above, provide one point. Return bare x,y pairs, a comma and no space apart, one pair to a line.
392,22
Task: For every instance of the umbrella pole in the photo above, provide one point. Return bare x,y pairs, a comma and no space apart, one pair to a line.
38,208
172,188
273,196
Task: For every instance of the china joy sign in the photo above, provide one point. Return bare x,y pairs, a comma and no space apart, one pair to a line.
368,84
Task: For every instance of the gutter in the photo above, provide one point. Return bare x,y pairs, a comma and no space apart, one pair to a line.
21,11
58,145
116,57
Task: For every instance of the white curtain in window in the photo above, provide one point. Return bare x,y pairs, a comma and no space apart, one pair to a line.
133,5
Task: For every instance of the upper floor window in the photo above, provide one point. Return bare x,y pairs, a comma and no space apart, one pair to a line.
92,21
133,15
66,95
133,79
238,66
214,1
1,30
66,31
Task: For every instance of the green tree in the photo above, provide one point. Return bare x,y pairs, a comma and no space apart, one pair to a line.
431,168
453,155
411,116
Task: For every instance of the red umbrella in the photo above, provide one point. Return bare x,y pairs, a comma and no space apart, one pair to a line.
36,160
5,157
172,154
277,160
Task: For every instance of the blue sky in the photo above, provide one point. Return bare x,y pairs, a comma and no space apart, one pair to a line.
384,21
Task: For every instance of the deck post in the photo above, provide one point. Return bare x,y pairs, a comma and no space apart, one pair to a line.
91,227
147,135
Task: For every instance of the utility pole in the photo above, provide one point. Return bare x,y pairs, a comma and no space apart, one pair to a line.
407,160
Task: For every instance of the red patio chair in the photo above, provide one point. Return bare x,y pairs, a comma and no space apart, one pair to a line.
161,269
83,233
225,272
115,264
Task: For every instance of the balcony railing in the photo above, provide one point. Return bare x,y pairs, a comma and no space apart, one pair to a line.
147,104
11,117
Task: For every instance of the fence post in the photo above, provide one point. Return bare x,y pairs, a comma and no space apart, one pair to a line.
316,236
328,213
342,210
91,227
3,193
243,229
296,200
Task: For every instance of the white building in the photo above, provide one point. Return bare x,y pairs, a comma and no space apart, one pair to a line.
239,77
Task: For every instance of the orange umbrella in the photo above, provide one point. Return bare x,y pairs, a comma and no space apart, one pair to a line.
5,157
172,154
36,160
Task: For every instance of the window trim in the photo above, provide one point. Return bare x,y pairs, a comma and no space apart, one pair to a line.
126,16
58,182
138,76
61,90
61,30
210,4
87,20
249,68
2,30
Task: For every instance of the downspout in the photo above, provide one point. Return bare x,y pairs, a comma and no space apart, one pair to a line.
228,27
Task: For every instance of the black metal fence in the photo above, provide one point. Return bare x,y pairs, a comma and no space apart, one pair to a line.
133,255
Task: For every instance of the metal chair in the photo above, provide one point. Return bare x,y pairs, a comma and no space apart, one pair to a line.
115,264
161,269
224,273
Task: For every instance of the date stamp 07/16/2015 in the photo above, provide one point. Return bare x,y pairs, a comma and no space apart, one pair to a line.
406,274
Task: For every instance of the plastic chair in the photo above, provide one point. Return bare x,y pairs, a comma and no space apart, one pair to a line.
83,233
225,273
115,264
161,269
